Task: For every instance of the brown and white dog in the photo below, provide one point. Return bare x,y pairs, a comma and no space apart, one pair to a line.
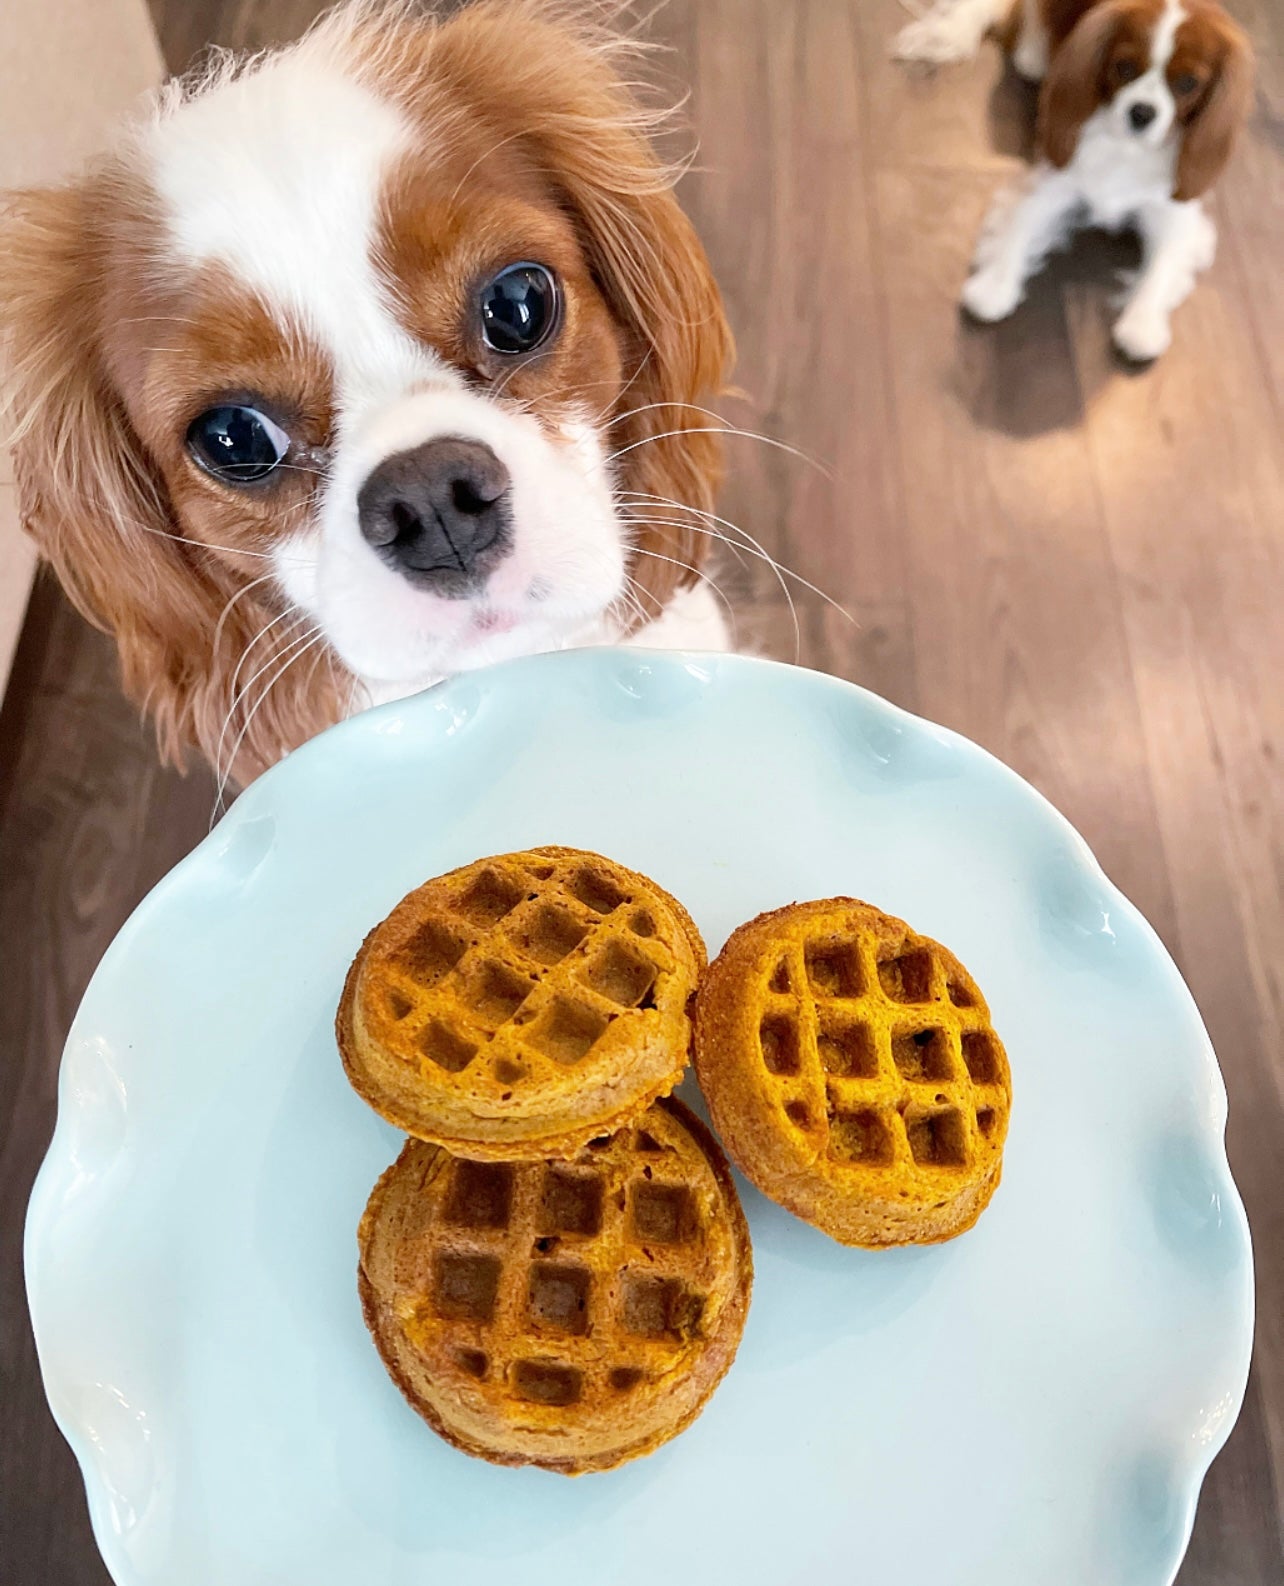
1141,103
364,362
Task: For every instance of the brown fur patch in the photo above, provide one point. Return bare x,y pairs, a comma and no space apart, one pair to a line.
1211,77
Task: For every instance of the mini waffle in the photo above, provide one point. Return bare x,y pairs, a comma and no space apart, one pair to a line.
522,1005
572,1315
853,1073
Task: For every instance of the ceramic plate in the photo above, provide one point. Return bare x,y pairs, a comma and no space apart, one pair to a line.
1033,1404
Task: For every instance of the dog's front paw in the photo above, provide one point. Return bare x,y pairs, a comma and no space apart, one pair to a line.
1030,58
990,295
1142,336
932,40
1203,241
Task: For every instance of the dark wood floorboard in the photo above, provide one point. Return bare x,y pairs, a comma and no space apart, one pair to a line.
1081,568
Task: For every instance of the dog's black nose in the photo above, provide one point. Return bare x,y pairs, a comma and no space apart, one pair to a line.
1141,116
440,514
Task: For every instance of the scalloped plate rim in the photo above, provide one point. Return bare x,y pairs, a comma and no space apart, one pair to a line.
56,1168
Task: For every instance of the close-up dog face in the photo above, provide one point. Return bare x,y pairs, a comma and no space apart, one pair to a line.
409,424
1159,70
389,342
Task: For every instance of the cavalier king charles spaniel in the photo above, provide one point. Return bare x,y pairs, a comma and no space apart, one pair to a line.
364,362
1141,103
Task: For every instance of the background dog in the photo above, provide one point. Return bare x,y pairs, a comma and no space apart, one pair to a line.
1141,104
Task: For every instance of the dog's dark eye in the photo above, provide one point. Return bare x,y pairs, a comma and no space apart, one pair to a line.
1186,84
1125,71
238,445
519,308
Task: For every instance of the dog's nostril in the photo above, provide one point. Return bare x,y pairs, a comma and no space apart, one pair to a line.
406,521
1141,116
468,499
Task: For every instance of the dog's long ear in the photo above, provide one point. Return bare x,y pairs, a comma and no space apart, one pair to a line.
654,272
1210,134
1075,85
87,493
565,91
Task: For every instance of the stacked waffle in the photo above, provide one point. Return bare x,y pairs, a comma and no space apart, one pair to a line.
556,1270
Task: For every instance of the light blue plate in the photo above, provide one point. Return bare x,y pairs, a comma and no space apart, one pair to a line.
1034,1404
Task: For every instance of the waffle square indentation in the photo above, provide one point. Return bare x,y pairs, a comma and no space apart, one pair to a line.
923,1054
663,1214
847,1047
481,1194
778,1038
907,977
446,1047
620,974
981,1057
569,1032
464,1286
496,991
548,1382
558,1297
660,1308
595,890
862,1137
489,897
834,969
938,1139
430,953
551,934
570,1202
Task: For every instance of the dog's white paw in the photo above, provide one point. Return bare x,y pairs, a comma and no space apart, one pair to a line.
1030,58
933,40
1142,335
1203,247
990,295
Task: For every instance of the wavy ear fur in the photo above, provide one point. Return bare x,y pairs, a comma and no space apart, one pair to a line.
88,495
1210,135
1073,88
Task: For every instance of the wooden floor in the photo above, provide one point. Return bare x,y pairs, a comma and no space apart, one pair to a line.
1081,568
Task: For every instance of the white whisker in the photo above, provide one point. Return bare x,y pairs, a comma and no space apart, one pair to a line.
754,547
721,429
316,637
237,693
265,578
704,578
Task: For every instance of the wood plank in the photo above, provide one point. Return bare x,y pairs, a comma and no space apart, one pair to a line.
779,139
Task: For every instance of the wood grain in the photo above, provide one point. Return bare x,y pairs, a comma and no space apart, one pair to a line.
1079,567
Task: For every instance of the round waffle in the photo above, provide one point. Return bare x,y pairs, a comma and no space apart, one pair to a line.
853,1073
572,1315
522,1005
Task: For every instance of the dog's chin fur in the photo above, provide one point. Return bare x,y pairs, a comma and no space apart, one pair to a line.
309,231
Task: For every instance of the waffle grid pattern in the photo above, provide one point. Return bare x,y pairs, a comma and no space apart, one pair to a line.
566,1283
890,1054
523,967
